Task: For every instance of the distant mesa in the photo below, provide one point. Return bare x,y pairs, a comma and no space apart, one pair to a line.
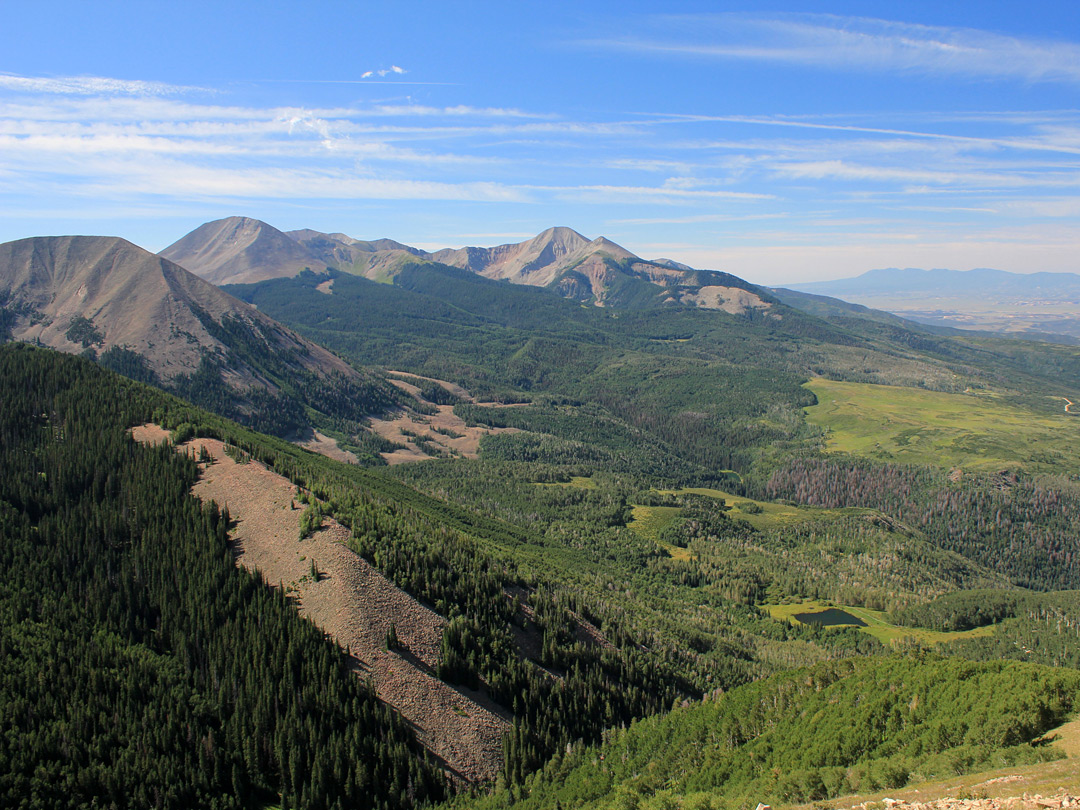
983,282
1038,305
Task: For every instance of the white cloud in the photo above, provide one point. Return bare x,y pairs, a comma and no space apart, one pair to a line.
697,219
182,180
855,43
1052,208
639,194
844,170
90,86
763,187
1059,138
390,71
460,110
87,126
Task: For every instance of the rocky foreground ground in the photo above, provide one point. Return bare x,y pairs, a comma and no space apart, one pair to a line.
1022,802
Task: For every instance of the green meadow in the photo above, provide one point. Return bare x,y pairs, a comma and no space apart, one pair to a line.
876,624
650,521
914,426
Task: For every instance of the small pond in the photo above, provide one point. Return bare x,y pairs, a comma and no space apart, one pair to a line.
830,618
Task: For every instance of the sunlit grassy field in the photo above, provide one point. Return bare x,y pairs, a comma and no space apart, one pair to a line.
876,625
649,521
910,425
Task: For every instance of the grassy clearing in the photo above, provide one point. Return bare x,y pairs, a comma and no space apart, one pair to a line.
876,625
764,514
914,426
1067,738
650,521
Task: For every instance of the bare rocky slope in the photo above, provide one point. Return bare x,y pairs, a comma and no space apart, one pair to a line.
537,261
356,605
240,250
74,293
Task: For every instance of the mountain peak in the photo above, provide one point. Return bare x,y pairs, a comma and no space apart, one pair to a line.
132,298
599,271
538,261
238,250
562,235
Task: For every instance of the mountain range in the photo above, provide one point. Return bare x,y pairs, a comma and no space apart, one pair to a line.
239,250
914,282
149,317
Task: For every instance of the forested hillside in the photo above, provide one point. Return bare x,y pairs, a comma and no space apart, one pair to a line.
141,667
705,390
808,735
92,518
1025,527
613,554
629,415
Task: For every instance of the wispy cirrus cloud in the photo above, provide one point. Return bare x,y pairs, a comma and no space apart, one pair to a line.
457,111
122,140
77,116
114,145
840,169
653,194
698,219
266,183
91,86
853,43
1049,137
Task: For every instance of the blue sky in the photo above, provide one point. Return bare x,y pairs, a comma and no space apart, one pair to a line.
782,142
